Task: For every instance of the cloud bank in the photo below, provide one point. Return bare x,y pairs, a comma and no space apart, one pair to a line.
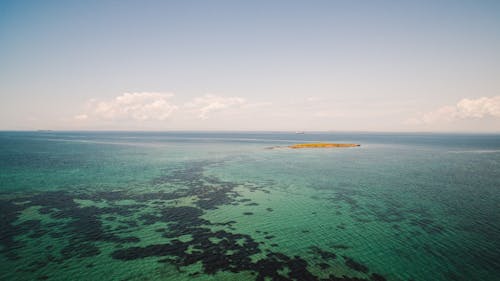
140,106
465,109
154,106
207,104
155,110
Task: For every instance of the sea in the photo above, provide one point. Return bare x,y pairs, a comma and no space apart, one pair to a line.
243,206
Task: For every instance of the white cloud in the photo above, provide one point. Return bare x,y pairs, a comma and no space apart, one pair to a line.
480,107
207,104
464,109
136,106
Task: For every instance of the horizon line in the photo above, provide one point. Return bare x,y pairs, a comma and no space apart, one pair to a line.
253,131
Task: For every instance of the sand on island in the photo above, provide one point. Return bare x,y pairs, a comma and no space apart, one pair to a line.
322,145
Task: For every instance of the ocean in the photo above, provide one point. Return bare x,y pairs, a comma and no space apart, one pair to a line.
242,206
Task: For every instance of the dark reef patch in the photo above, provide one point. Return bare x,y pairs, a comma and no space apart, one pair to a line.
210,192
252,204
340,246
355,265
428,225
323,265
83,227
221,250
377,277
9,213
324,255
387,210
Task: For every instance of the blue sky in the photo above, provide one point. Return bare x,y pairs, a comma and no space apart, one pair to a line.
250,65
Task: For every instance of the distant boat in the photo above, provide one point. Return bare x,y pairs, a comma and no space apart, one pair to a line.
300,132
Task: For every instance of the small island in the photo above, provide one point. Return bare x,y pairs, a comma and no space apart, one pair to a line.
322,145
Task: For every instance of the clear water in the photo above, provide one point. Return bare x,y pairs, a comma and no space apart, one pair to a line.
221,206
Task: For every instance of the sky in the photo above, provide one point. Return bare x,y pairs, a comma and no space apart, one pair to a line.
399,66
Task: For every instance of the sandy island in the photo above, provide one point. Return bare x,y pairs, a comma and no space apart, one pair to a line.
322,145
317,145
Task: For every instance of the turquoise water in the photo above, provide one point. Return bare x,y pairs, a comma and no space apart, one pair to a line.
221,206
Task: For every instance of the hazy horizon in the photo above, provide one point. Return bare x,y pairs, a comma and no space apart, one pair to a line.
260,131
342,66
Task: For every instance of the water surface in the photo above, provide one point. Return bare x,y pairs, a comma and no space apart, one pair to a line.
221,206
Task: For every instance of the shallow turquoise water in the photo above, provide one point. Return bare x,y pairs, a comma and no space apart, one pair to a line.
220,206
